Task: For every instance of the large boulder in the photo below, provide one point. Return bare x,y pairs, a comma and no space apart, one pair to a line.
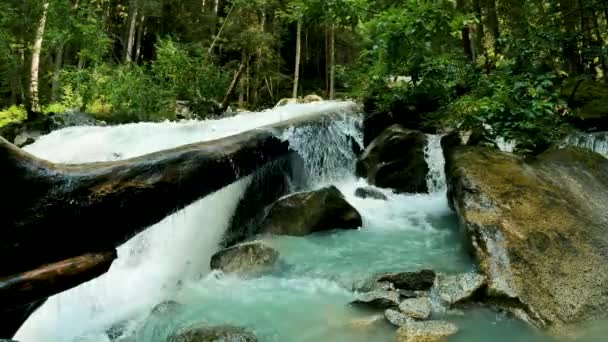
421,280
204,333
370,192
309,212
417,308
251,258
538,229
395,160
458,288
377,300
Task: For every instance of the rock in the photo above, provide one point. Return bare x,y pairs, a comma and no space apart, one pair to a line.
395,160
407,293
428,331
309,212
251,258
396,317
311,98
458,288
204,333
166,308
369,192
366,323
538,228
286,101
418,308
421,280
26,138
377,300
481,137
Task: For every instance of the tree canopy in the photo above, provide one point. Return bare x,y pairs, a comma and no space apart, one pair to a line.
519,66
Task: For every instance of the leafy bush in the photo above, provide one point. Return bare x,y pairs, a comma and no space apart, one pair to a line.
12,114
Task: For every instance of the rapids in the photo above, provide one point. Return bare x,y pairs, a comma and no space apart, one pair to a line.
308,299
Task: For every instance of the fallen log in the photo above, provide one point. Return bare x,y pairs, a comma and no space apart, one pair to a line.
22,293
54,212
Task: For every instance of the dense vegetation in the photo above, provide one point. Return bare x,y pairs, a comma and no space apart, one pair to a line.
521,66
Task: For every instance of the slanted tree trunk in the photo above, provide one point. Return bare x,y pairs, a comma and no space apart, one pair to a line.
131,33
233,84
332,62
296,77
140,35
35,65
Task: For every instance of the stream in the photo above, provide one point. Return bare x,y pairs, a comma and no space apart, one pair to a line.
307,299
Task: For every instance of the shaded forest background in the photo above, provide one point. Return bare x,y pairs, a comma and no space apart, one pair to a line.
527,68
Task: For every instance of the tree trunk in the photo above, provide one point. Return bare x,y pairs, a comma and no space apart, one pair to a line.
140,34
131,33
219,33
56,73
571,56
296,77
35,65
465,31
586,37
233,84
332,62
492,23
479,31
599,43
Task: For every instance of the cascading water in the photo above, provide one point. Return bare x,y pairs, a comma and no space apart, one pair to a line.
597,142
307,300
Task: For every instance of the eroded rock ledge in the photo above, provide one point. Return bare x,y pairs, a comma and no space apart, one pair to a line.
539,229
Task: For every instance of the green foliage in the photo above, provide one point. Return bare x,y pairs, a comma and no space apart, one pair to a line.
12,114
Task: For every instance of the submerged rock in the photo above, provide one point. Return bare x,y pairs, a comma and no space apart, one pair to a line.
369,192
418,308
366,323
421,280
458,288
251,258
396,318
309,212
395,159
377,300
428,331
538,229
204,333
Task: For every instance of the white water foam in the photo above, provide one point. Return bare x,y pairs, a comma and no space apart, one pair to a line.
596,142
154,263
433,155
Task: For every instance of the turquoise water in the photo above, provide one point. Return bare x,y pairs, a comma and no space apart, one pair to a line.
307,298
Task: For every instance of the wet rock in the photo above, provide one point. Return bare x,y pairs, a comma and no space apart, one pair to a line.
366,323
428,331
369,192
310,212
395,160
204,333
116,331
421,280
418,308
251,258
458,288
312,98
481,137
166,308
396,318
538,228
377,300
286,101
407,293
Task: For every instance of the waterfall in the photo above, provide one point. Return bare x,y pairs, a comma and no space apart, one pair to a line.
155,263
597,142
433,155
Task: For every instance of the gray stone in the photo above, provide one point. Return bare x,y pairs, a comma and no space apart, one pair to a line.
369,192
418,308
427,331
251,258
377,300
204,333
458,288
310,212
421,280
396,317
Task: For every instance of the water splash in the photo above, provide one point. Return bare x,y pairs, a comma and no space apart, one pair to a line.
596,142
433,155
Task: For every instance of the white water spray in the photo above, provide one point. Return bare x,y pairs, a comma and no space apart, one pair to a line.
596,142
433,155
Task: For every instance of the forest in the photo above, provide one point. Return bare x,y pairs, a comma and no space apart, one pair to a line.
528,68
